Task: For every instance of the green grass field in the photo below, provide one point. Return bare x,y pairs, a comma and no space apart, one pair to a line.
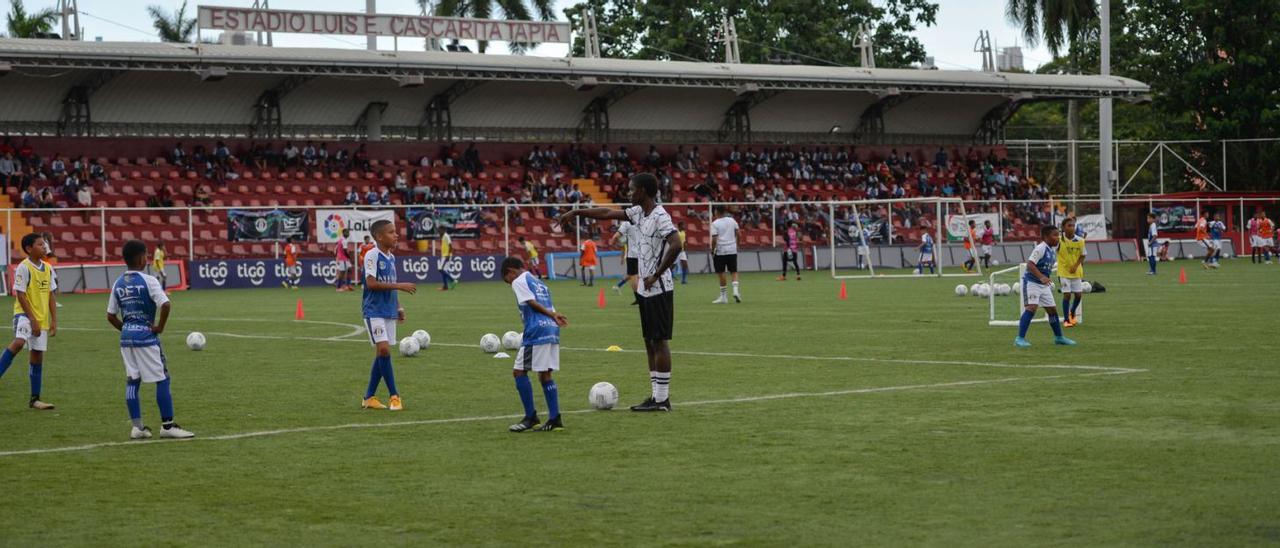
894,417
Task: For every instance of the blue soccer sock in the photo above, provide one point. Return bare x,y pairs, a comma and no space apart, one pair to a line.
132,402
525,388
1024,323
375,377
388,375
931,270
684,275
1075,305
1066,302
552,393
6,359
1151,260
1057,327
36,373
621,282
164,399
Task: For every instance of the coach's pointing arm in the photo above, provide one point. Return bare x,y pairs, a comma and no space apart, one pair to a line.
598,213
668,259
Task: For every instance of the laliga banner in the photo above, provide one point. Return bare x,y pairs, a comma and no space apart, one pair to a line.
958,226
332,221
377,24
462,223
250,273
276,225
1094,226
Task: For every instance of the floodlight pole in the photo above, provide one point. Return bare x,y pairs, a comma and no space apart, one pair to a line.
1106,176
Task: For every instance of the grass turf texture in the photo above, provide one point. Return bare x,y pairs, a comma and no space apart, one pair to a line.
1183,453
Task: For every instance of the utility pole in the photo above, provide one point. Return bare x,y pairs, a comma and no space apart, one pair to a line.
866,47
983,45
732,55
1106,176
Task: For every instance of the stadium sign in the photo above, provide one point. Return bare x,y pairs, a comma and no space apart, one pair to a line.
331,222
248,273
378,24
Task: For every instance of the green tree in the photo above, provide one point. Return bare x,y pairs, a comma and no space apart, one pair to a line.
504,9
27,25
176,27
806,31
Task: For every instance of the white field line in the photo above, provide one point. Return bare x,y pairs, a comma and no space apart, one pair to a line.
356,426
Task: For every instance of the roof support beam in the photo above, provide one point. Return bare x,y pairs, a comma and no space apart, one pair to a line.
593,127
736,127
436,123
991,129
267,115
871,122
75,119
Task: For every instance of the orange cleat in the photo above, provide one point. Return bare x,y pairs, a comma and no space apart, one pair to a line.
396,405
372,403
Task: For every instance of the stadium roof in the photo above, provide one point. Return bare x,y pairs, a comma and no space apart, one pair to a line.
640,95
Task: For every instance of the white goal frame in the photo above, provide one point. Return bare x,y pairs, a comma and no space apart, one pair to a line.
938,238
1019,302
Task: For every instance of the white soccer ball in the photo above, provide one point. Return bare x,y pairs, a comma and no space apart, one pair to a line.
490,343
409,346
195,341
995,262
973,290
512,340
603,396
1087,287
962,290
1017,288
1005,289
423,338
984,290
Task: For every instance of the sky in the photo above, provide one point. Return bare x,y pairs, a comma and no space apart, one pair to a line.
950,41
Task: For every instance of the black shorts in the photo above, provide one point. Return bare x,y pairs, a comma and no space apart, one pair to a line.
725,262
657,314
633,266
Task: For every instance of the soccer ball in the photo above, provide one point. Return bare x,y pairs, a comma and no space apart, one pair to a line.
1087,287
490,343
512,340
195,341
962,290
973,290
995,262
423,338
409,346
1017,288
984,290
603,396
1005,289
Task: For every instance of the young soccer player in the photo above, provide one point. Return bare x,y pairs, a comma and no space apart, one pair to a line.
588,262
382,310
724,231
446,252
790,251
1255,240
363,250
540,349
658,246
531,253
626,238
139,309
342,259
1216,230
292,271
683,258
988,240
972,261
1153,243
926,255
1037,288
1071,255
157,265
35,314
1202,237
1266,235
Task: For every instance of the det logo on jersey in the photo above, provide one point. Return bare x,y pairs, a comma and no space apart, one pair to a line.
333,226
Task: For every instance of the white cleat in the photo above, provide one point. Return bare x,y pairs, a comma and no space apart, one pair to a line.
720,300
140,433
175,432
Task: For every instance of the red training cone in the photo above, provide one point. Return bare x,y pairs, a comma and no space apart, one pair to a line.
600,299
844,291
1182,275
298,314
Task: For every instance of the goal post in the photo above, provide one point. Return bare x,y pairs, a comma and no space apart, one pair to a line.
1008,315
880,238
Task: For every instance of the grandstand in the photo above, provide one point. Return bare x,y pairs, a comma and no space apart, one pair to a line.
829,133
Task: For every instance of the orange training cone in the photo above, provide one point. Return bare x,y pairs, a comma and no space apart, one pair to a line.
299,315
844,291
600,299
1182,275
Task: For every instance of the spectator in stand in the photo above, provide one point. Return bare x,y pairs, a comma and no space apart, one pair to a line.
201,195
370,196
384,197
361,158
163,197
179,155
84,199
424,161
322,157
352,197
471,160
70,185
30,198
310,157
8,171
46,200
290,153
222,155
708,189
59,167
342,160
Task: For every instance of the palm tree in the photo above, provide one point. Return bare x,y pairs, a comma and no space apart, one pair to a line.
1060,23
172,28
506,9
24,25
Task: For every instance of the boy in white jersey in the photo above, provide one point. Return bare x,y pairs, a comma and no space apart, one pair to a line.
540,345
1037,288
724,232
35,313
139,309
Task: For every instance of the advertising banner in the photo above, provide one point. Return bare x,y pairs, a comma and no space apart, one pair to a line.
249,273
876,232
1094,226
275,225
958,226
1178,218
462,223
331,222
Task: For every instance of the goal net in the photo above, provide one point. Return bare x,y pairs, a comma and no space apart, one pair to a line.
896,238
1003,291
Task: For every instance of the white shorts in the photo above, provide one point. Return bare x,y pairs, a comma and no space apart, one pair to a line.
1255,240
1266,242
381,330
342,265
1215,245
1037,294
926,258
1072,285
682,257
543,357
533,261
144,362
864,250
22,330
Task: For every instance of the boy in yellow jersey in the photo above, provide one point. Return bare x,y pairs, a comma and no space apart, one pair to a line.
35,317
446,253
683,259
1071,254
157,265
531,254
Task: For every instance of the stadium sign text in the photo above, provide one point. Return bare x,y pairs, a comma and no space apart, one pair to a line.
403,26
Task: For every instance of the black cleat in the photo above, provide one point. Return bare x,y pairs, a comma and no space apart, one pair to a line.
650,405
552,424
525,424
737,299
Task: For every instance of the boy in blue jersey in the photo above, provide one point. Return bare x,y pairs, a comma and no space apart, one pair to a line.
382,310
1037,289
139,309
540,348
926,254
1153,243
1216,229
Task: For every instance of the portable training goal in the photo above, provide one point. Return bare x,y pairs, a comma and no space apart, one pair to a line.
880,238
1008,315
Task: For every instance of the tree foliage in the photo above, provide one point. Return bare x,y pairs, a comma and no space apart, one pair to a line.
27,25
501,9
175,27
